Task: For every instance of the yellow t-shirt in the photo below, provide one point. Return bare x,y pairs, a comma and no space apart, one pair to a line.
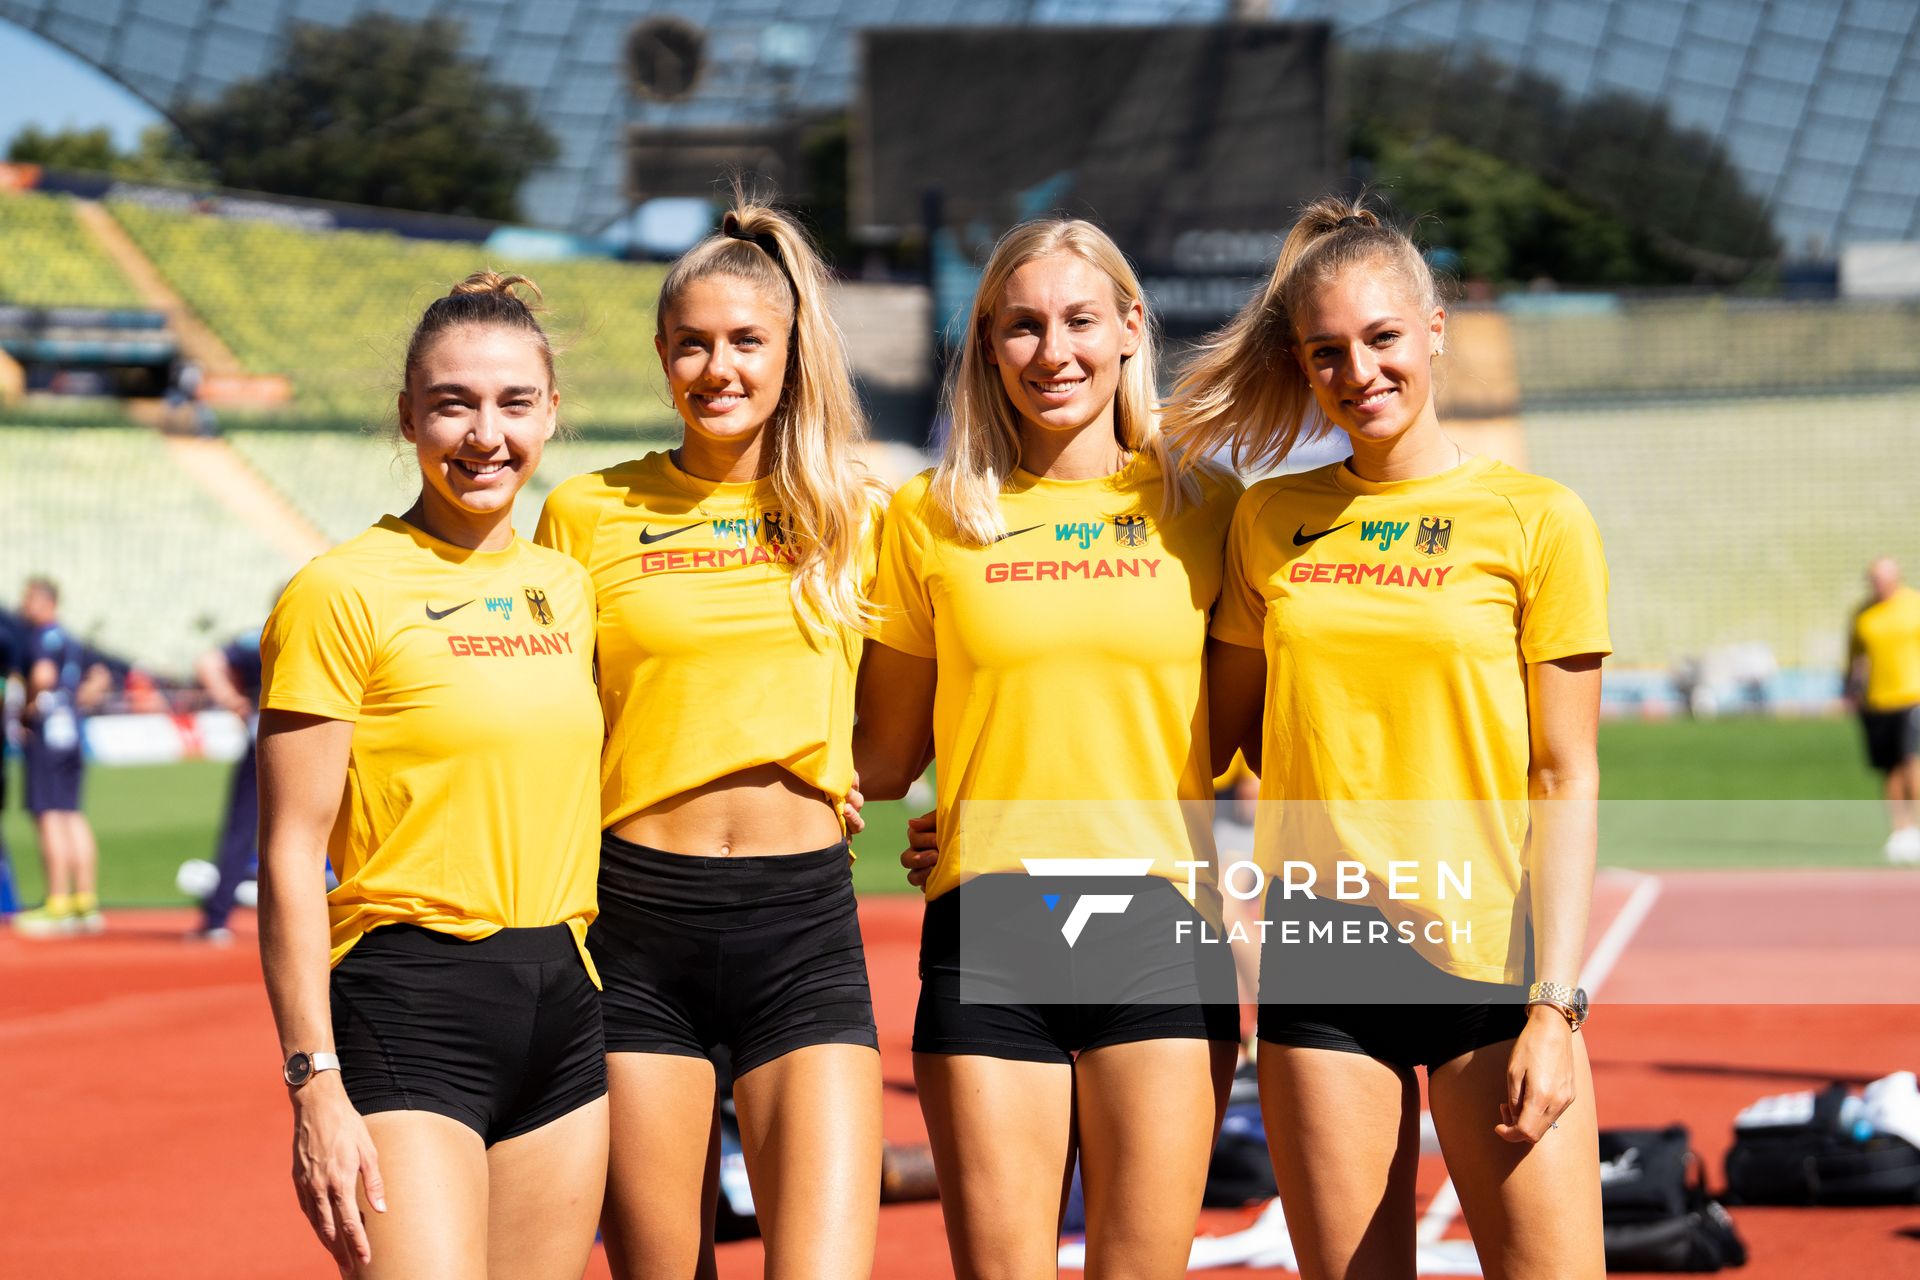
1070,716
1887,632
1398,620
705,668
468,676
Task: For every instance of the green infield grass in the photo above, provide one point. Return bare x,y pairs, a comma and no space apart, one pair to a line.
1718,793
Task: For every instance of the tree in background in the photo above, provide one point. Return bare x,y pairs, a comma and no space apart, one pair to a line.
161,155
1524,182
380,112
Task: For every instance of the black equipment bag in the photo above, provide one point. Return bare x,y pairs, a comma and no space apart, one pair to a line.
1654,1210
1822,1161
1241,1171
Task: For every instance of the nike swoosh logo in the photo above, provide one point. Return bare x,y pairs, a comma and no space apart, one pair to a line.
1301,537
437,614
1014,533
648,537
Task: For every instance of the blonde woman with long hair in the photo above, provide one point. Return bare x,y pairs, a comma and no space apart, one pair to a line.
732,574
1045,594
1411,638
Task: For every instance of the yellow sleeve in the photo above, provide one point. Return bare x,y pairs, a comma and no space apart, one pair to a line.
317,651
1563,611
567,521
900,584
1240,615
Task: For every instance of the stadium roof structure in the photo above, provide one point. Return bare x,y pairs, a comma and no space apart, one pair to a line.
1818,101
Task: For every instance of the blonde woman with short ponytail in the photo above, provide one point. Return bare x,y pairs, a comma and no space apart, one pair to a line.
1044,595
733,574
1410,642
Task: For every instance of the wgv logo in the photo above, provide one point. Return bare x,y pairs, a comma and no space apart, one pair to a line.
739,529
1086,532
502,605
1087,905
1384,532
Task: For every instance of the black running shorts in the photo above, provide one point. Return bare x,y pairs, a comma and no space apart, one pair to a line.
502,1034
737,960
1893,737
1330,996
1009,984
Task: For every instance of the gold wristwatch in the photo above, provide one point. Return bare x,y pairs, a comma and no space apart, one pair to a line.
1570,1001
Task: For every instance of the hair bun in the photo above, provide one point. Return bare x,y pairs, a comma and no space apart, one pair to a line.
494,282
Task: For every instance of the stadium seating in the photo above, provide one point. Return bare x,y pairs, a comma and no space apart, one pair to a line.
344,482
1714,346
51,261
150,566
1729,521
333,310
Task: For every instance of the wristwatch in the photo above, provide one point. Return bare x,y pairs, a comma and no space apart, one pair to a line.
1570,1001
302,1067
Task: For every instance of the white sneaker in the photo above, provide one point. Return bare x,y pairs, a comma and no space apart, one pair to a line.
1892,1105
1903,847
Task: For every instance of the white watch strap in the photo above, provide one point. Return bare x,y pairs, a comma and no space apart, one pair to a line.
323,1062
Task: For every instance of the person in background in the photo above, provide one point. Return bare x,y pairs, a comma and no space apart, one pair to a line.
61,688
9,667
231,677
1883,685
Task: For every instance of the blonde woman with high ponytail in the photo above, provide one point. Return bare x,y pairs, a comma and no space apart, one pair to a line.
1410,641
1044,595
733,575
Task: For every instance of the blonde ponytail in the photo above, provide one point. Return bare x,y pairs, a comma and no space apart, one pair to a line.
814,435
1242,391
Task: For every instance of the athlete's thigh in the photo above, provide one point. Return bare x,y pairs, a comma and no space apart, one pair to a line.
545,1189
1147,1113
435,1172
1002,1138
1534,1210
810,1131
1344,1131
662,1167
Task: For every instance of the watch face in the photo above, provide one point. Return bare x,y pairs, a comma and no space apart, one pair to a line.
298,1068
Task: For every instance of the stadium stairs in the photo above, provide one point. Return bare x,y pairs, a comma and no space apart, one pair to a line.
216,468
198,342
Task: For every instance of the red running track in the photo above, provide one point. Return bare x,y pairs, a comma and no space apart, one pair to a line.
145,1133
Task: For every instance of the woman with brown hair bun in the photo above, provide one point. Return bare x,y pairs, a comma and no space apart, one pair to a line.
732,574
1408,648
428,723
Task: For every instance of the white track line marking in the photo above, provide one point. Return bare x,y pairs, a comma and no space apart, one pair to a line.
1445,1204
1613,943
1439,1215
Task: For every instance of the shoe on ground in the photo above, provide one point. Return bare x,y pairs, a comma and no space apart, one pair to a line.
1903,847
89,921
218,936
42,923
